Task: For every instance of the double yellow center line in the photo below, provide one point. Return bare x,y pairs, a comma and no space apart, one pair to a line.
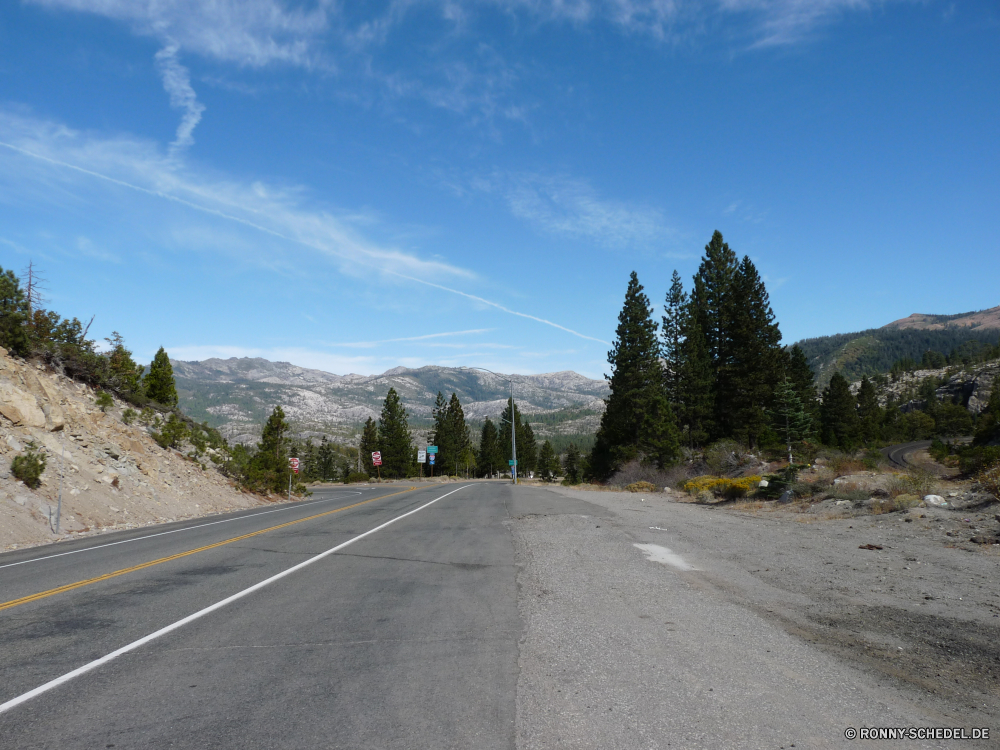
179,555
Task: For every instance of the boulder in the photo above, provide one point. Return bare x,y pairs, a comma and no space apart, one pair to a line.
936,500
19,407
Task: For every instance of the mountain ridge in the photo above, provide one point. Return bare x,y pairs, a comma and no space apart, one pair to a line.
237,394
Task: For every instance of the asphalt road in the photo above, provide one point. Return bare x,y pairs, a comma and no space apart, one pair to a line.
451,616
405,638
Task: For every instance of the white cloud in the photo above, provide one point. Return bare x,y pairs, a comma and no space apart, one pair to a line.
48,153
771,22
177,83
251,33
284,214
571,207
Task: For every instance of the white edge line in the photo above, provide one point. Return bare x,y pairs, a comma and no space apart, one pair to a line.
174,531
25,697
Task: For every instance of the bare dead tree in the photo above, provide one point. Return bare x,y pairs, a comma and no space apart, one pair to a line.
34,285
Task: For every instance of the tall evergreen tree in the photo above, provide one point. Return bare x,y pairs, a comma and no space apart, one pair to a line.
790,419
527,450
747,377
839,415
548,464
801,376
394,438
159,381
368,445
270,462
697,381
870,415
638,422
457,442
490,455
710,297
571,464
672,335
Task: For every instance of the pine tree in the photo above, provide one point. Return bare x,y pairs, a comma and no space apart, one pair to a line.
527,450
159,381
368,445
638,422
801,376
870,414
711,298
270,462
839,415
571,464
697,397
13,315
789,416
547,462
456,440
490,457
394,438
747,377
672,335
123,376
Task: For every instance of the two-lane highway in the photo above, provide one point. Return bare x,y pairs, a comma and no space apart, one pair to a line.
405,637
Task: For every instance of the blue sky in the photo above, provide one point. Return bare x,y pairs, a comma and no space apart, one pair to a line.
355,186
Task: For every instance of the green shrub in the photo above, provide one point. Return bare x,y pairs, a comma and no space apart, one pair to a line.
28,466
779,482
129,415
104,401
356,476
173,432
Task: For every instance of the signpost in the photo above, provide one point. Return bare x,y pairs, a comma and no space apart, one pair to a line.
431,453
293,464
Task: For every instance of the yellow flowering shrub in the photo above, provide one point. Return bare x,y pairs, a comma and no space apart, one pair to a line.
722,486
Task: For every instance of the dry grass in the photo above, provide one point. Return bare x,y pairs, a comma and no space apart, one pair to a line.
894,504
913,482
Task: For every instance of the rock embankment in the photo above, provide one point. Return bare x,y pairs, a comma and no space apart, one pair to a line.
970,386
111,475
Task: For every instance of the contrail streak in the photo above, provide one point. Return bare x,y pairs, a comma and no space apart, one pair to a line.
272,232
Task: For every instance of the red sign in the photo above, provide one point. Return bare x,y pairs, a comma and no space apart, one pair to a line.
377,458
293,464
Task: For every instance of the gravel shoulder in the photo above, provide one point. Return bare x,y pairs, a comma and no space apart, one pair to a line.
785,631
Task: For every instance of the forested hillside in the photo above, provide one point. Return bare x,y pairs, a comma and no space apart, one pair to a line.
877,350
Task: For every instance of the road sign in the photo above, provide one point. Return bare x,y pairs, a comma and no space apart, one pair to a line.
431,458
293,464
432,449
421,457
377,458
511,462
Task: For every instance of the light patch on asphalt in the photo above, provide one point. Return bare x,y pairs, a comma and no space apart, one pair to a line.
656,553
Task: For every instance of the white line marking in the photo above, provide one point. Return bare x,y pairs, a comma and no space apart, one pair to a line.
174,531
659,554
13,702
